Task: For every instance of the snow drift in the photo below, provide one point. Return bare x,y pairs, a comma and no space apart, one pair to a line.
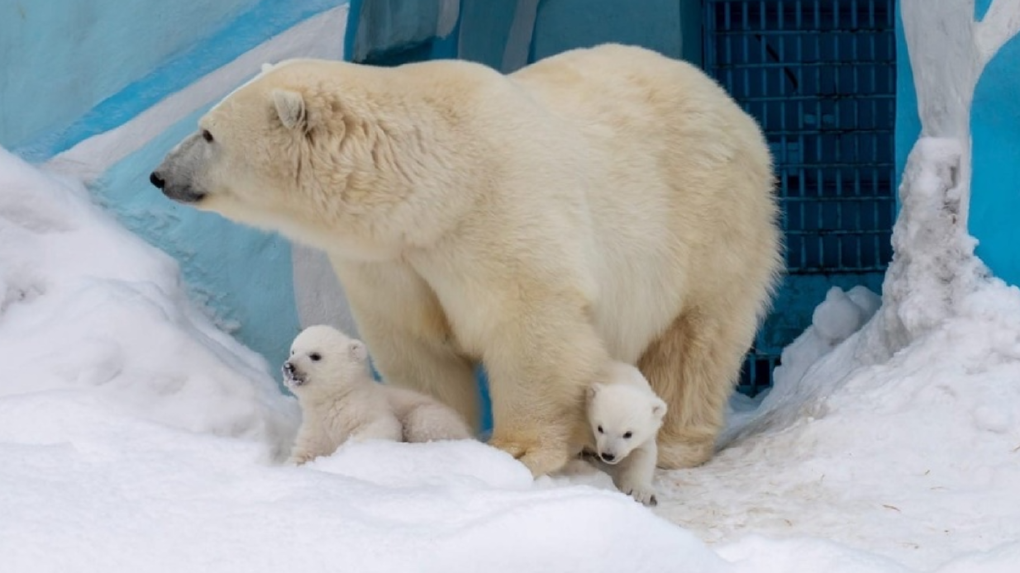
135,436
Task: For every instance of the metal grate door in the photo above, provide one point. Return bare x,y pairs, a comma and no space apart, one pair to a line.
820,78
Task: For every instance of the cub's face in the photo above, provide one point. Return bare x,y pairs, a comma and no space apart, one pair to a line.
323,359
622,417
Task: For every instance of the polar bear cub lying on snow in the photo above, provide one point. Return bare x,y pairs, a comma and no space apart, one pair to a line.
329,374
625,417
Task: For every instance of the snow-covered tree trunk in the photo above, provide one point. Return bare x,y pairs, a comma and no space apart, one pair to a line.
933,265
948,51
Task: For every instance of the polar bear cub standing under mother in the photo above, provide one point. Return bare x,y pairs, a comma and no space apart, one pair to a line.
601,204
625,416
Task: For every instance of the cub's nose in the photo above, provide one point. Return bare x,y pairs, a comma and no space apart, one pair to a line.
606,456
288,369
157,181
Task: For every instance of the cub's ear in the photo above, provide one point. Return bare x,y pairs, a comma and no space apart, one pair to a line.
290,107
357,350
658,408
266,67
592,391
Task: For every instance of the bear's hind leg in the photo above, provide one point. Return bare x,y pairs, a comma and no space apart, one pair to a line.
694,366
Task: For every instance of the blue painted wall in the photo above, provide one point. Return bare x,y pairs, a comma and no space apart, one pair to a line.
73,70
200,54
995,128
995,193
58,59
565,24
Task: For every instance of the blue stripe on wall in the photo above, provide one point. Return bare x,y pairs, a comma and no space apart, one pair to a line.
266,19
89,51
353,19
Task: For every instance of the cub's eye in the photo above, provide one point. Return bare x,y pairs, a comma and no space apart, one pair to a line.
627,435
600,429
207,136
315,356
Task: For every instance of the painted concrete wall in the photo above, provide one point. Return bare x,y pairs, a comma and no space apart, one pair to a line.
110,114
565,24
995,127
59,59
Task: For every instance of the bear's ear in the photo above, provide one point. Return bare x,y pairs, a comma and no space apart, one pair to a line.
266,67
290,106
592,391
658,408
357,350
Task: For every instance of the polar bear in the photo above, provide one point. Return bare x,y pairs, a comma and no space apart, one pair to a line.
606,203
625,416
329,373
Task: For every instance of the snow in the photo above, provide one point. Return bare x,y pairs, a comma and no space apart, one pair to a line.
901,441
135,436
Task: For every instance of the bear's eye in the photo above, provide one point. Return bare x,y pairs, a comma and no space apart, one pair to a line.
600,429
627,435
207,136
315,356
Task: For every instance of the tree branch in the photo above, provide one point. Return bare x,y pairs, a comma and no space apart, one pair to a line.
1001,22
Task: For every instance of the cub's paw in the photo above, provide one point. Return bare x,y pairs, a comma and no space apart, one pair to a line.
298,459
640,492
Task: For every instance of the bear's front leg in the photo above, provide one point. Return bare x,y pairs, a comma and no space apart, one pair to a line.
407,334
538,368
635,474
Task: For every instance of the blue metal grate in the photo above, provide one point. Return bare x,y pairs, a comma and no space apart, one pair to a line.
820,78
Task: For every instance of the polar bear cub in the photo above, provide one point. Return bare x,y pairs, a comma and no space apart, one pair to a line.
329,373
625,417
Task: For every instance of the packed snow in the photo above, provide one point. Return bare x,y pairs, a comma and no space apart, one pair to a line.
135,436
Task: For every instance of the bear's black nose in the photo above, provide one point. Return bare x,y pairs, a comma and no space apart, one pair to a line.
156,180
288,368
608,457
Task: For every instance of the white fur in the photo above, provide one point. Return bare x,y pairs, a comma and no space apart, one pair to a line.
625,416
338,398
601,204
425,419
329,373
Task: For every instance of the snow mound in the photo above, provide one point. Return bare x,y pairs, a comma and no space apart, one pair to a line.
902,441
839,316
135,436
88,309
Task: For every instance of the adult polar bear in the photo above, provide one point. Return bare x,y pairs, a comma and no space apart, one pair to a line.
604,203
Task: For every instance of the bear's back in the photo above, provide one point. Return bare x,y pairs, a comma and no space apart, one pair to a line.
682,180
628,87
